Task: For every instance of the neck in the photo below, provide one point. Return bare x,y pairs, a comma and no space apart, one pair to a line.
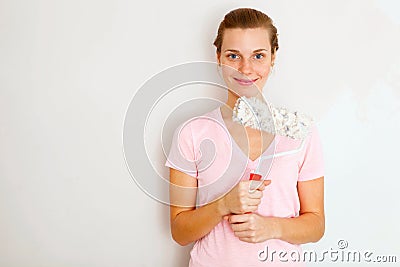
232,98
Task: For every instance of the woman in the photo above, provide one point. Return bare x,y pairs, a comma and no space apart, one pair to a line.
232,225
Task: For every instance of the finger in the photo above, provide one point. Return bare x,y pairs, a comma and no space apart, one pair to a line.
239,227
258,185
253,202
251,209
248,209
267,182
256,194
264,184
254,185
238,218
246,234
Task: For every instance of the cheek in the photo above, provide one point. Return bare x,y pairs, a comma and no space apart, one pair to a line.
230,64
263,70
229,70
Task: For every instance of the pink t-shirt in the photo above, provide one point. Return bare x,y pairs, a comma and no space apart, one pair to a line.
203,148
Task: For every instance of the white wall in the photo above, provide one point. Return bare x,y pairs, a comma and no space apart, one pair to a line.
68,70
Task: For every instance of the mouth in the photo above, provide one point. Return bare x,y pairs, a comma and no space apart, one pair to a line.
245,82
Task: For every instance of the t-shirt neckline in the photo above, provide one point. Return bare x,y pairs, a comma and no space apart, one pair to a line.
275,140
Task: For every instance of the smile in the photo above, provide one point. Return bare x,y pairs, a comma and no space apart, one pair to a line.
245,81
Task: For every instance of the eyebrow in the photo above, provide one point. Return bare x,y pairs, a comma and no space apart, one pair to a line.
237,51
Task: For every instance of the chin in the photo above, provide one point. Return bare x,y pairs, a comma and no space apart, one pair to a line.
247,92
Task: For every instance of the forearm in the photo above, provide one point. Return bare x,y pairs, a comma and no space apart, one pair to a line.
308,227
189,226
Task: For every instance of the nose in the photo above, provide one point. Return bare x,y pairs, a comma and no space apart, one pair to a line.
245,67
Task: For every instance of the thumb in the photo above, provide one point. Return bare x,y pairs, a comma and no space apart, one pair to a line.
264,184
267,182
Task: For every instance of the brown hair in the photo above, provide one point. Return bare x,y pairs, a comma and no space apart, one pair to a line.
247,18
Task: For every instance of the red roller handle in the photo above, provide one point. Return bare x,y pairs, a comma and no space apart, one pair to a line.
255,176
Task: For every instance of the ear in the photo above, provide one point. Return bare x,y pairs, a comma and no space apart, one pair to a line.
273,59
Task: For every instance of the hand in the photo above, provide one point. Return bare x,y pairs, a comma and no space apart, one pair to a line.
253,228
244,197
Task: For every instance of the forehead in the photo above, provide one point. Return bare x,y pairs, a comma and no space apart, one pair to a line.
243,39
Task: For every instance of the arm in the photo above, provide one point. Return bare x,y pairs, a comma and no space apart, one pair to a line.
189,224
309,226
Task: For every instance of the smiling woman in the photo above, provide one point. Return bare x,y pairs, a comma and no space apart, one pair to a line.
246,60
247,41
229,223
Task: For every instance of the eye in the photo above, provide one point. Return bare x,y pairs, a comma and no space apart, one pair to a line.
259,56
233,56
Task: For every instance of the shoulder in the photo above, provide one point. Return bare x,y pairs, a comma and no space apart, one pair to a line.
200,123
202,120
293,124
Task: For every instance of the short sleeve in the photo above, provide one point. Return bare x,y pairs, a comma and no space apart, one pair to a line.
182,152
312,162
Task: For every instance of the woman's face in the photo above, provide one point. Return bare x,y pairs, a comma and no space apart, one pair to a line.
246,60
